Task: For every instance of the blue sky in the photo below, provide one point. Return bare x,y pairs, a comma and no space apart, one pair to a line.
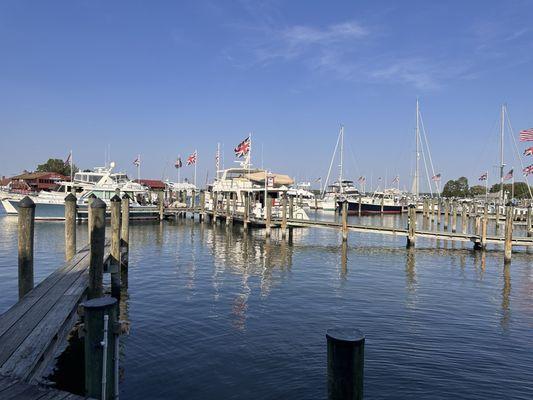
163,78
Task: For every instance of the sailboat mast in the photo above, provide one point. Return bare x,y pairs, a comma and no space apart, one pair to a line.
502,164
341,158
417,133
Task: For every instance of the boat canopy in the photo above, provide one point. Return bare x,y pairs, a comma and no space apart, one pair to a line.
279,179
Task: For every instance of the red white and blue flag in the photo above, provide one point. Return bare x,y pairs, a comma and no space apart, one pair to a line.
243,148
528,152
528,170
137,161
484,176
361,179
508,176
526,135
395,180
191,160
178,164
69,157
435,178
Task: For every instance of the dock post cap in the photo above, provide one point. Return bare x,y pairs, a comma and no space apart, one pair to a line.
26,202
92,196
70,197
349,335
99,303
412,205
125,196
98,203
116,199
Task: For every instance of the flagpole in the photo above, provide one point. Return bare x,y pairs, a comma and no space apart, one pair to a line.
195,163
71,173
512,187
139,168
487,188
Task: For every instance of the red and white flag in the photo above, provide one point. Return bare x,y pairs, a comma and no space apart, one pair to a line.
528,152
191,160
526,135
528,170
137,161
484,176
242,148
508,176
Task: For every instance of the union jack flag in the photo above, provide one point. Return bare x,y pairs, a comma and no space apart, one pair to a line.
508,176
137,161
178,163
484,176
435,178
191,160
528,170
242,148
526,135
528,152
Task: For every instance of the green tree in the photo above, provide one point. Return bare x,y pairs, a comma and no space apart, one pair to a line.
477,190
456,188
521,190
56,165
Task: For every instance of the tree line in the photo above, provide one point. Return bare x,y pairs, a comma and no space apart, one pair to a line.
460,188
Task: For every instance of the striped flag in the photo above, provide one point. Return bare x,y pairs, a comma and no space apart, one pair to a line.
137,161
528,170
526,135
242,148
191,160
395,180
508,176
67,161
528,152
484,176
435,178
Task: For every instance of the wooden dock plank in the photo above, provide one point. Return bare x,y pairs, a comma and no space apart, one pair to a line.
11,389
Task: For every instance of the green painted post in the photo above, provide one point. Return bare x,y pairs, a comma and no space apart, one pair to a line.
346,360
26,229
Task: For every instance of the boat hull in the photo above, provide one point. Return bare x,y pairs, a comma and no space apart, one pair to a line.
369,209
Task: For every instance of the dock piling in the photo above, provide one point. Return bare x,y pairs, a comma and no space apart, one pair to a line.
201,216
26,229
90,200
246,215
454,216
446,214
70,226
411,226
464,218
529,228
268,222
125,230
346,359
344,221
284,215
115,245
508,233
97,244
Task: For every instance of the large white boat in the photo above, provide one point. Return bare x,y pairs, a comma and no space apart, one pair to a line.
100,182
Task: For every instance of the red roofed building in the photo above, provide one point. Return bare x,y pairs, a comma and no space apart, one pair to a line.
37,181
152,184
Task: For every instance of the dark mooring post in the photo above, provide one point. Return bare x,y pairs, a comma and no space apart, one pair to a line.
411,225
284,215
26,227
508,246
115,245
346,360
268,222
100,328
96,256
125,229
344,221
70,226
90,200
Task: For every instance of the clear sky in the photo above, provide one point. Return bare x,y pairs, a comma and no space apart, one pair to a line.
164,78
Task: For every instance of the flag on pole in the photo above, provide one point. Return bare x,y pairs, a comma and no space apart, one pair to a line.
435,178
67,161
528,152
178,164
242,148
395,180
484,177
191,160
361,179
318,180
508,176
137,161
528,170
526,135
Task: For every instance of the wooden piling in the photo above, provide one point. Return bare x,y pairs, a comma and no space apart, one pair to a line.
439,206
201,216
464,218
70,226
454,216
359,205
115,245
268,222
214,201
508,247
529,228
284,215
344,221
90,200
100,335
246,215
26,229
161,204
411,226
484,224
346,359
382,205
446,213
193,203
227,197
97,243
125,230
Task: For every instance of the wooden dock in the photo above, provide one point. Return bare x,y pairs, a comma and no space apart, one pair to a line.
17,389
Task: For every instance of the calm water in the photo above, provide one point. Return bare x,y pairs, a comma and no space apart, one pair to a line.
215,314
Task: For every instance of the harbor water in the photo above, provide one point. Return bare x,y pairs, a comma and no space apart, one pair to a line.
214,313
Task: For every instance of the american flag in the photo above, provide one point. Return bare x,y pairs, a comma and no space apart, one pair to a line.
191,160
395,180
361,179
528,152
242,148
318,180
508,176
137,161
526,135
67,161
178,163
435,178
484,176
528,170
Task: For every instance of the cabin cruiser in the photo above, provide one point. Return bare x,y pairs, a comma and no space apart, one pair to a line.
345,189
387,202
302,195
100,182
